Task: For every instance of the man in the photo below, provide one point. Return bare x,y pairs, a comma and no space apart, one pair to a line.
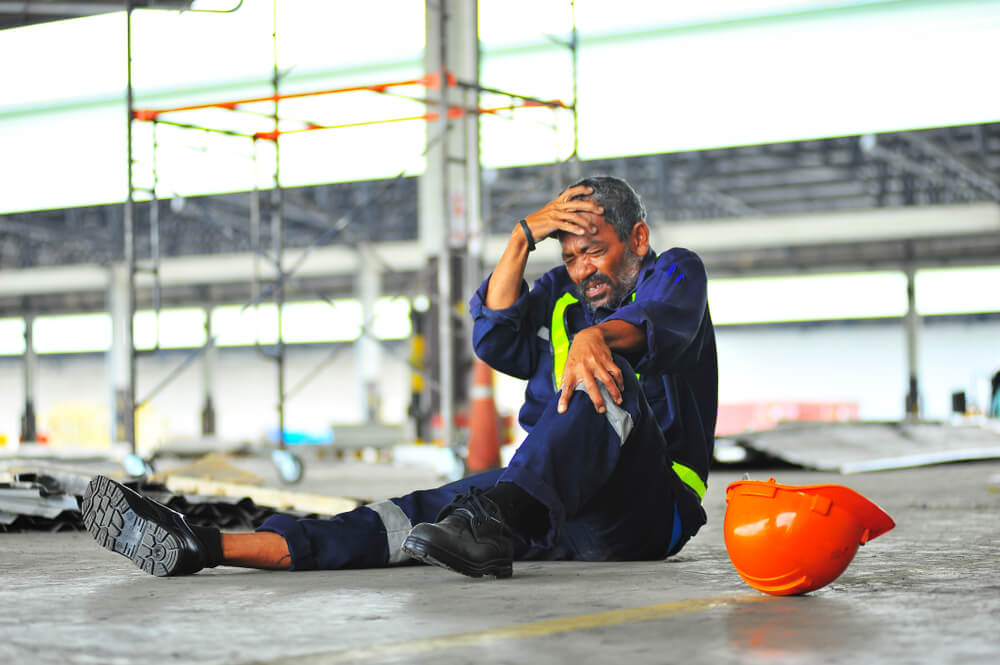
618,348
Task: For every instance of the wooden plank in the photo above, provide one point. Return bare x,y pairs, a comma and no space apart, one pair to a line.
278,499
213,466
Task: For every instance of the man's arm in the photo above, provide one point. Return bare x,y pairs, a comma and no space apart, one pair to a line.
589,360
560,214
671,303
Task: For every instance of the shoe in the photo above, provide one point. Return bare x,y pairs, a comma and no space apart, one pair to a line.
156,539
470,537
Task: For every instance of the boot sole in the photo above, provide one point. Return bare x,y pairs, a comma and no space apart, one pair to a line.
116,526
421,550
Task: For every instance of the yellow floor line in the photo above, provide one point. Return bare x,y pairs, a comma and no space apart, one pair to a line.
420,647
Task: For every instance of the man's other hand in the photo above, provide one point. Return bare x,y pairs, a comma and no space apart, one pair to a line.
589,360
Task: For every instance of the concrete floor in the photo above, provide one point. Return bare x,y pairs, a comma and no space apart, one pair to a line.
926,592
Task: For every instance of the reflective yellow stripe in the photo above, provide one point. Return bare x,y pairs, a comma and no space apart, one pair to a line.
560,340
690,478
502,636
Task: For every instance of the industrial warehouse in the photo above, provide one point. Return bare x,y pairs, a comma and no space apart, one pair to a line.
477,331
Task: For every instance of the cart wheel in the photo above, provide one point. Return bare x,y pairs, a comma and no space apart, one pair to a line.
136,467
289,466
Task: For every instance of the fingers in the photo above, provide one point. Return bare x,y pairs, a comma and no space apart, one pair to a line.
580,205
570,222
564,396
574,221
611,382
589,384
570,192
563,214
610,378
595,393
576,228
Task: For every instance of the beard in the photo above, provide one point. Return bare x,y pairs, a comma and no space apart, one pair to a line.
622,282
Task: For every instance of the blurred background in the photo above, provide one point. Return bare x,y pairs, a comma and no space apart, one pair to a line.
238,221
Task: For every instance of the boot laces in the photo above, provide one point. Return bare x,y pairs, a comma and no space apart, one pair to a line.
475,504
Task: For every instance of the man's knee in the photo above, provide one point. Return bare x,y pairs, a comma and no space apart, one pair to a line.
619,416
630,379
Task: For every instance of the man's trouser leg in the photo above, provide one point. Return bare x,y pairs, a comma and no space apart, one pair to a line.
605,480
368,536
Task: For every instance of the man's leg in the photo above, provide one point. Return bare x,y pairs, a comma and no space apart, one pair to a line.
161,542
609,472
256,550
155,538
643,512
369,536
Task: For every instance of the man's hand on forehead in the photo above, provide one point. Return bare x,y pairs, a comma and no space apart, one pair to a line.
560,216
573,211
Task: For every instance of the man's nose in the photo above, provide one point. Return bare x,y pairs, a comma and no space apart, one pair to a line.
582,269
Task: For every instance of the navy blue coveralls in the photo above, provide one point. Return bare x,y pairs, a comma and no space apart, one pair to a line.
622,485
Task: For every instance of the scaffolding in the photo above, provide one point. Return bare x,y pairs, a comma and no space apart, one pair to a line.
446,98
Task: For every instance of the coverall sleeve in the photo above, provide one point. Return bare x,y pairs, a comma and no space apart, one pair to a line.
507,339
671,302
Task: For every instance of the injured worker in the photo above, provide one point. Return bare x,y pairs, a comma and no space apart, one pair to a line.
618,349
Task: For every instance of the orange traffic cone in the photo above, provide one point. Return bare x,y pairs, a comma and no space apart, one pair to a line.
484,423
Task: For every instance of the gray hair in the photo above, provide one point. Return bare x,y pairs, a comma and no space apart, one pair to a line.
622,205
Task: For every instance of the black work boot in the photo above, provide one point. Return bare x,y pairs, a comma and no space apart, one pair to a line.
470,537
156,539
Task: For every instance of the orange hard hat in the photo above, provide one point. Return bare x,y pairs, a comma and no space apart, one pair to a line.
787,539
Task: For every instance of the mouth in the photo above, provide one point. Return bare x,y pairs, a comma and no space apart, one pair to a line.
595,289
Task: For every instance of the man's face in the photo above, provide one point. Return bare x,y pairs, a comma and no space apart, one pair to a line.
603,267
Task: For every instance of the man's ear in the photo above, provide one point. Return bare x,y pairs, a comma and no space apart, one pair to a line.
639,239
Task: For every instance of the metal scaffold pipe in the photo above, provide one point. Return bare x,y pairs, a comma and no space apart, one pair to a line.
451,89
127,403
277,239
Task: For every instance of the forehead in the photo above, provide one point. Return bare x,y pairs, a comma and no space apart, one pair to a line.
604,235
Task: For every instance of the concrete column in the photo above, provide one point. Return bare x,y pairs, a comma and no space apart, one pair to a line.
208,358
120,359
912,324
368,353
475,228
449,189
29,431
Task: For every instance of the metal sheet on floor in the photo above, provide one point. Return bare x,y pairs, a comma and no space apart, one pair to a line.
874,446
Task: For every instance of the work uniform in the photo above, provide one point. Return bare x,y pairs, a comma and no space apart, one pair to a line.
623,485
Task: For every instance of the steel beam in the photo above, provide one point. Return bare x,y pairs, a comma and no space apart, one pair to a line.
971,176
959,220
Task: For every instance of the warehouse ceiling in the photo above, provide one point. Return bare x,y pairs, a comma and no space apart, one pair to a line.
926,168
17,13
